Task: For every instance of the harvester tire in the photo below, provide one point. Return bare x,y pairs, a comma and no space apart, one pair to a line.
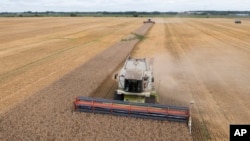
118,96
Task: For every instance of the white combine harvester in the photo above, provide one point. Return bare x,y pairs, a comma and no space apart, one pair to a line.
135,96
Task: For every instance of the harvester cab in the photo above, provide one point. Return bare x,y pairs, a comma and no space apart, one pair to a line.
136,82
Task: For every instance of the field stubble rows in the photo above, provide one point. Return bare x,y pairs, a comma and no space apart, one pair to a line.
205,60
47,114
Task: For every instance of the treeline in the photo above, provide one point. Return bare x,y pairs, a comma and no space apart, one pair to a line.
82,14
120,14
220,12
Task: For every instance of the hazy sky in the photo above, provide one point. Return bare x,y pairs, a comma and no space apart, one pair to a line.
122,5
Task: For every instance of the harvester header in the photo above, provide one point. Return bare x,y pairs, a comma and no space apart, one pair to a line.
131,109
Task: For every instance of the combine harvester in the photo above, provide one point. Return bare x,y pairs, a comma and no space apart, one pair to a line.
237,21
149,21
135,97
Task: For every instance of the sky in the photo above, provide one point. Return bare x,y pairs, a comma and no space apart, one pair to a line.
122,5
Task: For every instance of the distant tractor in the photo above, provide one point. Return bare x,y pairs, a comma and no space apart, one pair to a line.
237,21
149,21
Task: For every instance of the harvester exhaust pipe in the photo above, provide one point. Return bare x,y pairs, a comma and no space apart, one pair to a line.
190,118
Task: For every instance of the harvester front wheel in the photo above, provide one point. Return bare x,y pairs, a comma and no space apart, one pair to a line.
118,96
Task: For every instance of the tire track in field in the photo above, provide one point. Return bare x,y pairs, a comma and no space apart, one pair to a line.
170,42
199,131
207,129
228,31
214,33
217,133
232,89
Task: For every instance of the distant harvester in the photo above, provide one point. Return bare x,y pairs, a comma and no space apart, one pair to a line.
237,21
149,21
